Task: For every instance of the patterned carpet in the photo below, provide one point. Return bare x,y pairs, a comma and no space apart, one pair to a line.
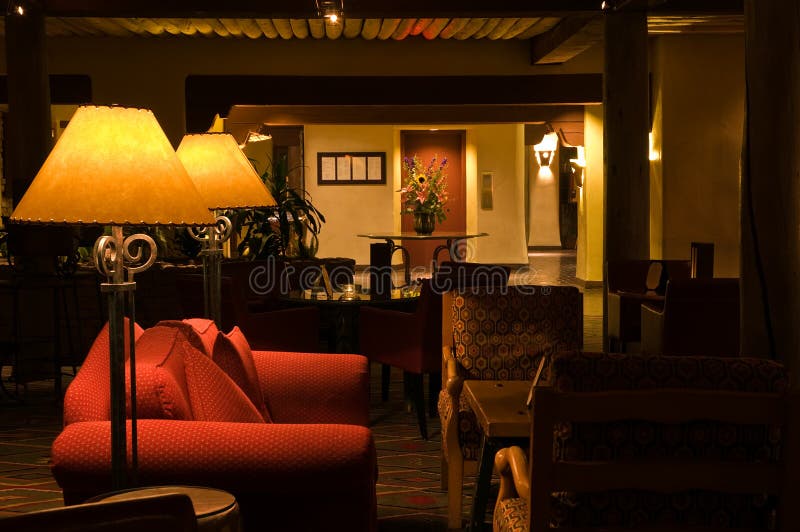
410,497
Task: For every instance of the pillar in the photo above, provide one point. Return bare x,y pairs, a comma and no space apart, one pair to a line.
770,184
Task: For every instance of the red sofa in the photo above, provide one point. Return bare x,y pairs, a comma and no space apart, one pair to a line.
286,433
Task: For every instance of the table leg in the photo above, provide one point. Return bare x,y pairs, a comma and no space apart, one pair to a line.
483,480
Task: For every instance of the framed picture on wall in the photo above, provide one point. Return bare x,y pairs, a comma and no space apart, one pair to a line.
351,168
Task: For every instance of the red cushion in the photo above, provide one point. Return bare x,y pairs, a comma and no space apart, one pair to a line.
161,388
214,396
201,332
233,355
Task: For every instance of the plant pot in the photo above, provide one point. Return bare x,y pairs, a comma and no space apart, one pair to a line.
424,222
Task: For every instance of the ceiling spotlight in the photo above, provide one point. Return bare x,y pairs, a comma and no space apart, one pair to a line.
332,10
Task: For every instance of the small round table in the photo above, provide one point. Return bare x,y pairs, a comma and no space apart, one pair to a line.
216,510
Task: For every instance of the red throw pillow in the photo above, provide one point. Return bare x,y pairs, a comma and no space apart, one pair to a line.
214,396
161,390
233,355
201,332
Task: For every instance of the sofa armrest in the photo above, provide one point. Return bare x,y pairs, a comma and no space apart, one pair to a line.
652,330
236,457
314,387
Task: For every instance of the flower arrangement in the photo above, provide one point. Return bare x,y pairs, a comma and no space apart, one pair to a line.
425,189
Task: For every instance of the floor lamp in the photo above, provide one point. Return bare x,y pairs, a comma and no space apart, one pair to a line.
115,166
226,180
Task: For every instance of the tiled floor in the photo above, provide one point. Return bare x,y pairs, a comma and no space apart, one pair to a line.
409,493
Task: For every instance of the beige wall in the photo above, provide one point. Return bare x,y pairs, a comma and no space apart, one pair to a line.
500,149
589,266
353,209
543,199
699,95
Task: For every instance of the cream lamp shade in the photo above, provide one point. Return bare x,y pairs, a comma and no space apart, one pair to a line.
113,166
222,173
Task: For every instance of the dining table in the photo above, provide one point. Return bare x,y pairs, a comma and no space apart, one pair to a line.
339,311
453,241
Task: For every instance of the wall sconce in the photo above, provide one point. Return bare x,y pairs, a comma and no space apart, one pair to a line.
578,165
546,149
333,10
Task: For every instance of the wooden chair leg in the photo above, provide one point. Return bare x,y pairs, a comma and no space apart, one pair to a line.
386,376
415,388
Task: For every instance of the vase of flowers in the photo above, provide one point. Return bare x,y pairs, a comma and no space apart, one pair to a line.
424,194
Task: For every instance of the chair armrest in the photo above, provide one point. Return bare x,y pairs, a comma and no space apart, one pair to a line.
236,457
453,381
652,330
314,387
511,465
294,329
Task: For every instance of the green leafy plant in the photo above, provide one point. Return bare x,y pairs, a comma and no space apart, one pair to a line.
290,228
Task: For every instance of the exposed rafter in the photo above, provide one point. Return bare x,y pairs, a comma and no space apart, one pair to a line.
569,38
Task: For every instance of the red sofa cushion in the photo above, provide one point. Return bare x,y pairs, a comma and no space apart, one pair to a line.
161,387
200,332
232,354
213,395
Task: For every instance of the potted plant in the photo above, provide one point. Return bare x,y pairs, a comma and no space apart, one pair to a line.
288,229
425,192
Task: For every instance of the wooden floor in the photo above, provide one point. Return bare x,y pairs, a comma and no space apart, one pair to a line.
409,494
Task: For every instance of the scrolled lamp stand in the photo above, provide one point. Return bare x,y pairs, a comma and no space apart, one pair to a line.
119,258
212,239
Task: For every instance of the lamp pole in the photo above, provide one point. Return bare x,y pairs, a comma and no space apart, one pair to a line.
114,256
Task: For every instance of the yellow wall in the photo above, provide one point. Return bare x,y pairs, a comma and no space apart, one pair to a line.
699,90
353,209
589,265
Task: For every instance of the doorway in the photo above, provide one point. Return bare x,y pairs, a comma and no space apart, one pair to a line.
426,144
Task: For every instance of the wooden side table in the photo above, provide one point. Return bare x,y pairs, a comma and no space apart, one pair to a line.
216,510
502,413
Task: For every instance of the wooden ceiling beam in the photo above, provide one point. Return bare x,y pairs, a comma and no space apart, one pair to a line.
295,9
569,38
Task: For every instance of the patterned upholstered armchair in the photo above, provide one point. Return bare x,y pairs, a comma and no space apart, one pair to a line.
642,442
498,334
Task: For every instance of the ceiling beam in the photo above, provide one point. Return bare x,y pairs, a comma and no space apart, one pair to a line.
697,7
306,8
572,36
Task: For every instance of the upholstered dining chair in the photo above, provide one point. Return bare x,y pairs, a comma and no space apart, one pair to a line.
406,340
412,341
623,442
497,335
698,317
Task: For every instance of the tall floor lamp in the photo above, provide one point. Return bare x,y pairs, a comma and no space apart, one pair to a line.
114,166
226,180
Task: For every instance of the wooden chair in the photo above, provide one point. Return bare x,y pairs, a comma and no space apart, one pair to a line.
497,335
625,279
699,316
637,442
